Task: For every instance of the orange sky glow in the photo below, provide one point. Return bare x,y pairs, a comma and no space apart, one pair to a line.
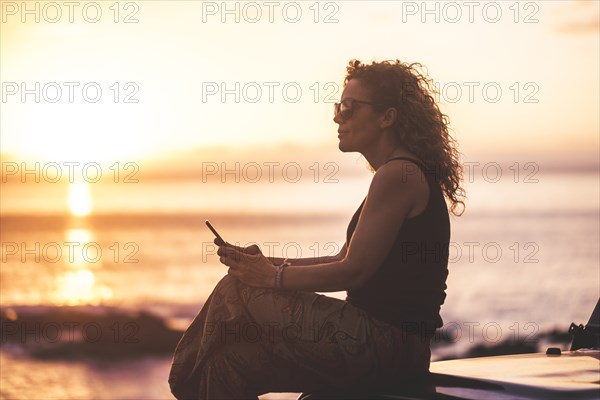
118,81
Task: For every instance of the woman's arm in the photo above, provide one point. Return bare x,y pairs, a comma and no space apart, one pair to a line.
311,260
392,196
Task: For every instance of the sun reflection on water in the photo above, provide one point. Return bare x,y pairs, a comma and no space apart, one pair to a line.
79,239
77,284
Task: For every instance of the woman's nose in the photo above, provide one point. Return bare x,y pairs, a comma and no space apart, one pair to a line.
337,119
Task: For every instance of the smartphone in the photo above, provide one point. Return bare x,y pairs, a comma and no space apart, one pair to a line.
213,230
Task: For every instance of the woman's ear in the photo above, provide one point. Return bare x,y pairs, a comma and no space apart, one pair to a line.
389,117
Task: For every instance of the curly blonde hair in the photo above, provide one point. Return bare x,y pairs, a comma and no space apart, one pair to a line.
421,126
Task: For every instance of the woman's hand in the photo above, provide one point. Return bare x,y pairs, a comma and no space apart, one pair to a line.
248,265
249,249
253,249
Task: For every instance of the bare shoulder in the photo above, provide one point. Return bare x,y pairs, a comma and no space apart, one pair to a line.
401,181
399,174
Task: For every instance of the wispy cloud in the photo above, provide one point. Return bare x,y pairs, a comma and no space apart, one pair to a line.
581,17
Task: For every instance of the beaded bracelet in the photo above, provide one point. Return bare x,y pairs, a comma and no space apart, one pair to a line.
279,274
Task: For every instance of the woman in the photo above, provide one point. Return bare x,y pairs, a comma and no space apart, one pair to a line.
263,329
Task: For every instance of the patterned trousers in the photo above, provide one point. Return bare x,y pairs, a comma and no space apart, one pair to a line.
247,341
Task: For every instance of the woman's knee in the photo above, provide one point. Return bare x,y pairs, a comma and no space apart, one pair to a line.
226,284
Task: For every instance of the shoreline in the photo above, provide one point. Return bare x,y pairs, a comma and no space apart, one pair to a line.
127,333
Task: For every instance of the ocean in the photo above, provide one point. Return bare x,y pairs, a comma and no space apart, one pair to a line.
523,262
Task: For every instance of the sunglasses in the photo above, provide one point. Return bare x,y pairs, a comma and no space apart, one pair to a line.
345,109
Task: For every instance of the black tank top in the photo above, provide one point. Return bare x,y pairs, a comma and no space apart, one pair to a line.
408,289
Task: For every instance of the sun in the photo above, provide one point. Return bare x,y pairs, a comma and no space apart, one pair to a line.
79,199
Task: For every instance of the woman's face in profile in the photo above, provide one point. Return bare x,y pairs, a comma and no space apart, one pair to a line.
359,126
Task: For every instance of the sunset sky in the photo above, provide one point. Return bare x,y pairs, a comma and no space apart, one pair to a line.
166,66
